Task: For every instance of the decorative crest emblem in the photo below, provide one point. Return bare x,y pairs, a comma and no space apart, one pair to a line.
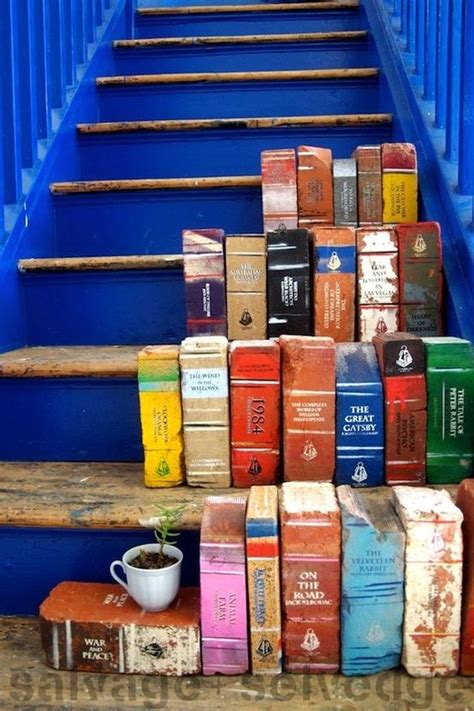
376,634
246,319
264,648
154,650
334,262
420,245
163,468
404,358
381,326
360,473
310,643
309,451
254,467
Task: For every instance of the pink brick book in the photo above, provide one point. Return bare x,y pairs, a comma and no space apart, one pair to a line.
223,586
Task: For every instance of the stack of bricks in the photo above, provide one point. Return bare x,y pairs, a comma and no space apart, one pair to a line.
311,570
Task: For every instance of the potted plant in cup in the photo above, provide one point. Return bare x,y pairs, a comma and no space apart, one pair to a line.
153,570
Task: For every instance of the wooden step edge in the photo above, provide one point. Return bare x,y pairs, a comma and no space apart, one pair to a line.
260,7
241,39
70,362
107,186
88,264
325,121
221,77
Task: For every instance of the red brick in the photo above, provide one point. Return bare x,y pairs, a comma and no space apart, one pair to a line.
465,501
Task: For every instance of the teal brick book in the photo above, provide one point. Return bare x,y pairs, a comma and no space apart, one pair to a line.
372,582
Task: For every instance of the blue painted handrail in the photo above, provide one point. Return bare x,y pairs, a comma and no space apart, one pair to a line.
43,47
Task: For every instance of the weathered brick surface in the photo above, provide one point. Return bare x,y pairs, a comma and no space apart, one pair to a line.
369,184
97,627
279,194
465,501
246,280
315,187
345,192
399,183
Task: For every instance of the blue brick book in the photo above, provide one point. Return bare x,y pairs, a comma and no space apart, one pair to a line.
372,582
359,421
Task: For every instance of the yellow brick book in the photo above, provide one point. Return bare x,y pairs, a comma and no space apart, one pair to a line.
161,415
399,183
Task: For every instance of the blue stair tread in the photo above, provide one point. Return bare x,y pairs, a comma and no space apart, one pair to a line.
260,7
87,264
101,495
160,42
70,362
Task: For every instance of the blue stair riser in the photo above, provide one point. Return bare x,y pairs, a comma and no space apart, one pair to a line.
246,99
150,222
70,419
34,560
252,23
207,152
105,308
242,57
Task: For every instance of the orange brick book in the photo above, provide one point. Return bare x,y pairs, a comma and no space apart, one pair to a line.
465,501
279,193
315,187
309,396
369,184
334,282
255,412
311,571
97,627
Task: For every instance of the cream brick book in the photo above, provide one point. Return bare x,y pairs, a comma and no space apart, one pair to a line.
433,580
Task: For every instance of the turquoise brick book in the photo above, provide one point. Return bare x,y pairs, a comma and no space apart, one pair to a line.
372,582
359,416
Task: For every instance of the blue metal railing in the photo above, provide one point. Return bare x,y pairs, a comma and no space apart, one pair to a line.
44,45
435,37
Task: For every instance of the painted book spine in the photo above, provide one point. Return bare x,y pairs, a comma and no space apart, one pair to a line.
345,192
465,501
420,278
279,193
308,381
369,184
334,282
246,278
288,296
399,183
161,415
315,187
203,253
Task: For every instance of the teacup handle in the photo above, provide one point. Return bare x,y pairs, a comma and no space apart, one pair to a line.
114,574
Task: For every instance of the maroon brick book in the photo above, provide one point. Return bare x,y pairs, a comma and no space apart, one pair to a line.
465,501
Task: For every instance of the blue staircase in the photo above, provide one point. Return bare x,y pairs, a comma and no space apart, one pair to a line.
163,131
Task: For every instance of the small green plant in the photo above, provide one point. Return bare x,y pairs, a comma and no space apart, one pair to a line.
166,520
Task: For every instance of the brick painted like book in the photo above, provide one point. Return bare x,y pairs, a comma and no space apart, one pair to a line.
161,415
255,412
97,627
465,501
334,282
315,187
399,183
345,192
360,416
311,569
263,575
289,286
246,279
450,431
402,365
373,560
433,580
205,401
421,282
279,193
223,586
308,382
204,280
369,184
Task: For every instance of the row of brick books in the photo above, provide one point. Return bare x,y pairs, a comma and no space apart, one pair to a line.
341,282
307,188
304,408
327,579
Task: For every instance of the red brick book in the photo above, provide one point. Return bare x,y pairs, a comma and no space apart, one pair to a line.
402,366
315,187
279,194
369,184
465,501
311,569
97,627
421,284
377,277
255,412
309,396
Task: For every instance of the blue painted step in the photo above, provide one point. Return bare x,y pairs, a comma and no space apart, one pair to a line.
93,416
220,151
151,221
128,102
246,23
329,54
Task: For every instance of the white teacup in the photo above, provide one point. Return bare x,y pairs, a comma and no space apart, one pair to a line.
153,590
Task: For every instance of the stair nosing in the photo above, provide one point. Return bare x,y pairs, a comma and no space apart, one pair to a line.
114,263
303,37
227,77
70,362
104,186
258,7
335,120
